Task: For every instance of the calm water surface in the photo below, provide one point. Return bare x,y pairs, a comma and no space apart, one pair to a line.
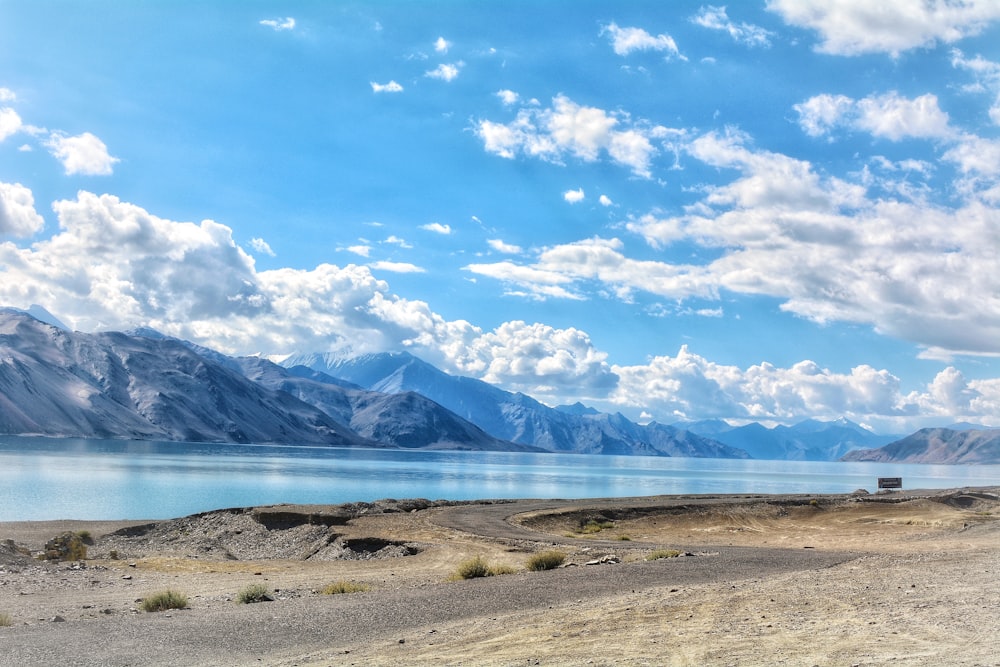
102,479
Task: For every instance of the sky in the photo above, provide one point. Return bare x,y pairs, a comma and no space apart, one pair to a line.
763,211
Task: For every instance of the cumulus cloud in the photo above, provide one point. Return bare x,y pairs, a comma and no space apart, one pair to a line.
287,23
261,246
716,18
539,358
889,116
437,228
17,211
441,45
81,154
854,27
628,40
571,129
606,201
7,95
824,246
113,265
391,87
689,386
574,196
445,71
10,122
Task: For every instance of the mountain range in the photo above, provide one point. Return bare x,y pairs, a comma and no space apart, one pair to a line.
144,385
937,445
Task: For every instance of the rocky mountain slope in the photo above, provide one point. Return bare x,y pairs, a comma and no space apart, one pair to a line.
146,386
111,385
515,416
937,445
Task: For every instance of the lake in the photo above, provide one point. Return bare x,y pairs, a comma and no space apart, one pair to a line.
42,478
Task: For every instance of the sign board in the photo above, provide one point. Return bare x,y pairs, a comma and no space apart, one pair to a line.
890,482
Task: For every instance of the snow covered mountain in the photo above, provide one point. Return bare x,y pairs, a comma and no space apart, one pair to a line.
515,416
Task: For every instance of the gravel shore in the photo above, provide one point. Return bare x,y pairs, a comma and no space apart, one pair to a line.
907,578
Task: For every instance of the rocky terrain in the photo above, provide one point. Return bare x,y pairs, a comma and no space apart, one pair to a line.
908,578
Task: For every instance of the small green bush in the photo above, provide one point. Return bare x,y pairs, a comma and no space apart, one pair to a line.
624,538
85,536
663,553
6,621
164,600
343,587
254,593
546,560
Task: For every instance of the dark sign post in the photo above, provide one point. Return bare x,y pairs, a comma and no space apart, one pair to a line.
890,482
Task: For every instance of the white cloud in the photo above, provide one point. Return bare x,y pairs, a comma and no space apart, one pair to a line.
360,250
287,23
17,211
888,116
539,358
987,73
824,246
568,128
627,40
441,45
690,386
81,154
606,201
10,122
715,18
445,72
437,228
853,27
7,95
391,87
396,267
508,97
506,248
574,196
261,246
395,240
113,265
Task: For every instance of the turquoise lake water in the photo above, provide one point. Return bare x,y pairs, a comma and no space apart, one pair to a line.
44,478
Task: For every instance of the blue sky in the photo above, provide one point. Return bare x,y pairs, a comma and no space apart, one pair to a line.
764,211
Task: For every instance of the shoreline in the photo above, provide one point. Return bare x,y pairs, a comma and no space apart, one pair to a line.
910,577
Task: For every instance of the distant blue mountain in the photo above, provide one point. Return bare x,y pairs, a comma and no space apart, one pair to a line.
810,440
515,416
937,445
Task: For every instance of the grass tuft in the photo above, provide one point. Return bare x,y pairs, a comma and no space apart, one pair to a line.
164,600
663,553
546,560
472,568
6,621
477,567
254,593
593,526
344,587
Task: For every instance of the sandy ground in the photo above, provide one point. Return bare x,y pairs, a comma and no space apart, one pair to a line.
903,579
